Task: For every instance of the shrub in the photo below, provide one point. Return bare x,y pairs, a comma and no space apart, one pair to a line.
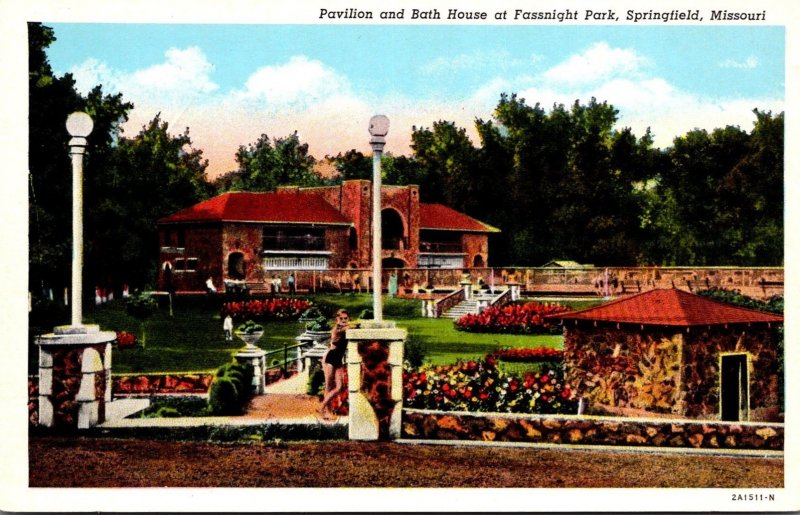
319,324
316,379
230,390
167,412
223,397
526,318
414,352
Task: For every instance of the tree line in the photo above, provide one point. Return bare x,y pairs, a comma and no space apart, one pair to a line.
563,183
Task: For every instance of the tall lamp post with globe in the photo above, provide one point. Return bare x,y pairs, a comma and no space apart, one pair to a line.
75,359
375,348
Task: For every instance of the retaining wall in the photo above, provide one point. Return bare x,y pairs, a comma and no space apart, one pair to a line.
590,430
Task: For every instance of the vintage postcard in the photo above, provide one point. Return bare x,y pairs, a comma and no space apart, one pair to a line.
279,256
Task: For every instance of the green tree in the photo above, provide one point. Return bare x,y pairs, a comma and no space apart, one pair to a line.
154,174
352,165
267,164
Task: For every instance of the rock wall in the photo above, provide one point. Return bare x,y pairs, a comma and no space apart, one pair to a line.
670,371
553,429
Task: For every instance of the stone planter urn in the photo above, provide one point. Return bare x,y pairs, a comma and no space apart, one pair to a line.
318,336
250,339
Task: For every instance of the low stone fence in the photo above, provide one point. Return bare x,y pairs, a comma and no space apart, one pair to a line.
590,430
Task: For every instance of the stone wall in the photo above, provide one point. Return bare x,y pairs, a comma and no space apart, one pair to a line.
565,429
701,369
669,371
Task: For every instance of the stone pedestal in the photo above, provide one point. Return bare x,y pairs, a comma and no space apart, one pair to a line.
74,376
515,291
256,358
428,306
375,379
467,286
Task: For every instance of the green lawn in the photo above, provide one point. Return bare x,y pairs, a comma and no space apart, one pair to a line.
192,338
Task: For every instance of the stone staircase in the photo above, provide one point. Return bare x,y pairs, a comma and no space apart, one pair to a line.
471,306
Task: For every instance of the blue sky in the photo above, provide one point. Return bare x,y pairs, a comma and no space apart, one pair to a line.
230,83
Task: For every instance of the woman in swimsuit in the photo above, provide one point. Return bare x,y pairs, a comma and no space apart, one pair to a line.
333,362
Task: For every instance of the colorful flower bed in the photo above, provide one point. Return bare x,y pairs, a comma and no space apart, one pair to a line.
266,309
481,386
126,340
529,355
512,318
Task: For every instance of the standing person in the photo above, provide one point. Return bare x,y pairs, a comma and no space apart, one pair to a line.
333,362
290,283
227,326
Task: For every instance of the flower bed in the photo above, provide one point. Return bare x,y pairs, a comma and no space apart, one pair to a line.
266,309
482,386
125,340
529,355
512,318
161,383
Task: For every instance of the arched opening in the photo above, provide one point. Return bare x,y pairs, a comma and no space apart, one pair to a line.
392,230
167,276
236,268
477,261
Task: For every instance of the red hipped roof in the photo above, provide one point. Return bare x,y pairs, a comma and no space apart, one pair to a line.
672,307
291,206
438,216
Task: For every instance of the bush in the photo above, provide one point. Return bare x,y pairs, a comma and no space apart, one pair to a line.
231,389
223,397
316,379
414,352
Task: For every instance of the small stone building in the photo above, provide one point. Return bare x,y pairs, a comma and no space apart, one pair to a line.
249,237
668,352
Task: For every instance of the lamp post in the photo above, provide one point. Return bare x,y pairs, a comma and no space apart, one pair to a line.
378,128
79,125
86,345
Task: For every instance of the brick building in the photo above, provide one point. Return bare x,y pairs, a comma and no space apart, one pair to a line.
247,237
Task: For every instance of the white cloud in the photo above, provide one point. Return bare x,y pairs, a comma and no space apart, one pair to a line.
748,64
476,61
92,72
598,62
185,70
299,81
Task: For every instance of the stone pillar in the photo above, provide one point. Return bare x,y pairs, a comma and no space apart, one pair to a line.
375,380
74,376
257,359
467,286
429,307
515,291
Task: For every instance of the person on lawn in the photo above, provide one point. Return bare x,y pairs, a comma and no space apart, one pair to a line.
333,363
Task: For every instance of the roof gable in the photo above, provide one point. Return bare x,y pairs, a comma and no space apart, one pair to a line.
672,307
441,217
293,206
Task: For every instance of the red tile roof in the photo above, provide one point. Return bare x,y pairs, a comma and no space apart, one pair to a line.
438,216
670,307
291,206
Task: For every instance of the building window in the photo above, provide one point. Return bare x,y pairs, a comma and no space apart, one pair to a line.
186,264
293,238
